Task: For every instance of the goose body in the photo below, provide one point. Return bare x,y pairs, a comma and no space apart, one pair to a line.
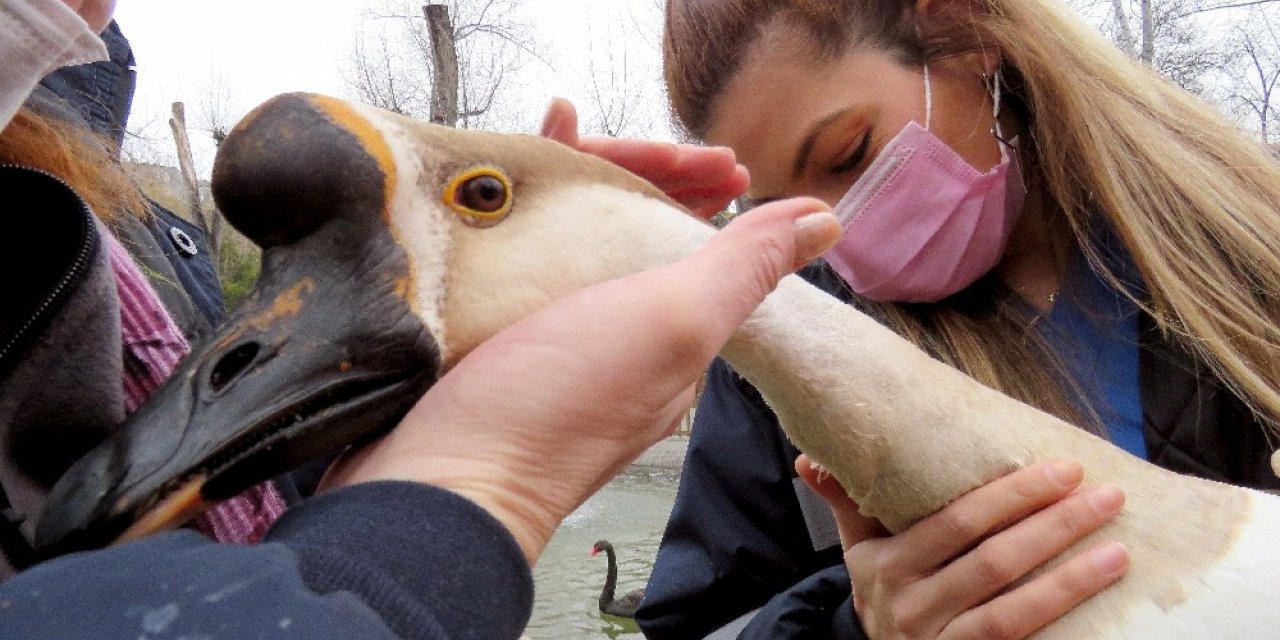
903,433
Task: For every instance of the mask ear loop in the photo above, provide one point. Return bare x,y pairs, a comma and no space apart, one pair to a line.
1004,145
995,113
928,89
928,99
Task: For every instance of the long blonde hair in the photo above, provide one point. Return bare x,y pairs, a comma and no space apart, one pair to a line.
1191,197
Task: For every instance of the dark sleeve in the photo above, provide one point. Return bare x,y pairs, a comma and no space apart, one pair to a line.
818,606
385,560
736,539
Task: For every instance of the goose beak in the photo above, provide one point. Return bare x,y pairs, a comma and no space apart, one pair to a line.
326,352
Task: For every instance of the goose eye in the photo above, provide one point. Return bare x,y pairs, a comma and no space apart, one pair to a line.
485,193
481,196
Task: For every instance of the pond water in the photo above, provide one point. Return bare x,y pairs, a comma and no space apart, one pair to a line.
630,512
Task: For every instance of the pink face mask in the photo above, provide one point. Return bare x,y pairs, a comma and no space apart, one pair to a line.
921,223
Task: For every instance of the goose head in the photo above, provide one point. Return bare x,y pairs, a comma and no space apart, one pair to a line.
391,248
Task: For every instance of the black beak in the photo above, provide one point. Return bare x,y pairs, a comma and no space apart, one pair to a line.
326,351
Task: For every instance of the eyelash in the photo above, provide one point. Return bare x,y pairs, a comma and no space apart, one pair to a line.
856,158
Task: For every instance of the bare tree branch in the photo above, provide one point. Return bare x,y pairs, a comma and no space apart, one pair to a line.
489,43
1232,5
1254,83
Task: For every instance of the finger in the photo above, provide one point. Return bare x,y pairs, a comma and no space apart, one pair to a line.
853,526
97,13
708,200
651,160
703,179
730,276
561,122
669,166
701,166
1008,556
1029,608
955,529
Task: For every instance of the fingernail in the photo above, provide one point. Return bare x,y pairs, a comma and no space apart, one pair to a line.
815,233
1105,499
1110,559
822,474
1065,473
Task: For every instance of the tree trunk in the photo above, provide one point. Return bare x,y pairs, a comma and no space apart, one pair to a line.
444,63
208,221
1148,33
1124,33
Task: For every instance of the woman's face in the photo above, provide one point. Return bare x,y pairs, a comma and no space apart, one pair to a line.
804,127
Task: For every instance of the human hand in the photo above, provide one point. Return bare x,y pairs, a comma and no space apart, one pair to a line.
950,575
702,179
539,417
97,13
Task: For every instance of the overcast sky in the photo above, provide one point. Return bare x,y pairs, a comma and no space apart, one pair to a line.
256,49
252,50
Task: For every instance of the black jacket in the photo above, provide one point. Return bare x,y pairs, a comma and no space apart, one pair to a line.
746,533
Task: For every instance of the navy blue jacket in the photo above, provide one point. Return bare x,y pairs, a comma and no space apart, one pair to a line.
745,533
384,560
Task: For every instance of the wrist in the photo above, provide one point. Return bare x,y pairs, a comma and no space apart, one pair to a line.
530,518
495,486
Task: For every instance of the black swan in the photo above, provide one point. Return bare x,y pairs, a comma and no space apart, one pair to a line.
625,606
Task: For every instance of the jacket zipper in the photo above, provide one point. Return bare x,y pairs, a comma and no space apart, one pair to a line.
77,268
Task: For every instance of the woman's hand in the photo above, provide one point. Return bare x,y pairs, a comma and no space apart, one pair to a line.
703,179
949,575
542,415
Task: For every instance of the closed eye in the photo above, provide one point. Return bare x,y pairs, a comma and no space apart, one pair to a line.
854,158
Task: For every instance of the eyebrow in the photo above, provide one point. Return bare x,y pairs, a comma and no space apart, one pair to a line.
806,147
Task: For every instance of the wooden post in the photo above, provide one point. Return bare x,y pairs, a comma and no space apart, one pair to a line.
210,222
444,64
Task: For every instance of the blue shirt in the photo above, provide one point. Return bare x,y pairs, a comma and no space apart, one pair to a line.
1093,329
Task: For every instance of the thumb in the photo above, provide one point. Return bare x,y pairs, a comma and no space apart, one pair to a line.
744,262
561,122
854,527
